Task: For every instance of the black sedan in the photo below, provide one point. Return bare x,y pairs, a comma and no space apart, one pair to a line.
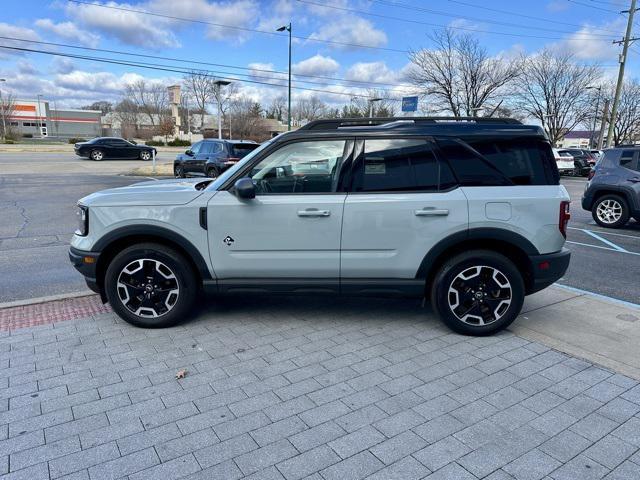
100,148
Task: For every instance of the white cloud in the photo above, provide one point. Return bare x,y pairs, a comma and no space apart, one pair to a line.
128,27
68,31
7,30
351,29
27,68
263,72
62,65
371,72
587,46
316,65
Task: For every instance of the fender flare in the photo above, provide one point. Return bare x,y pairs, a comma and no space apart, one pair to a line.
156,231
627,192
488,233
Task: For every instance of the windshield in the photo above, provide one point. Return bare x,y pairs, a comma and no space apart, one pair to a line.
247,158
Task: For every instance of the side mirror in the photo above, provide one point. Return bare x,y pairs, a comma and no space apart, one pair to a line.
189,152
244,188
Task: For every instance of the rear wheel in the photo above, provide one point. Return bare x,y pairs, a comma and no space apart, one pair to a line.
610,211
145,155
96,155
178,171
150,285
479,292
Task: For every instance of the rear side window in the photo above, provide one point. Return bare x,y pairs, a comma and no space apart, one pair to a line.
503,162
392,165
629,160
239,150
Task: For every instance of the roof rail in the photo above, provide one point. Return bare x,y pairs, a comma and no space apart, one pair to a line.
336,123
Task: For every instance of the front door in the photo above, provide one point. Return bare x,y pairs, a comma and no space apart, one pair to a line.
291,229
190,162
402,202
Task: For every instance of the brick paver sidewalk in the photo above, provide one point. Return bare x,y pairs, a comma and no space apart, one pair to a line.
295,388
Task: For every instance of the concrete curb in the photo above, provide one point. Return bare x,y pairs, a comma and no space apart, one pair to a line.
50,298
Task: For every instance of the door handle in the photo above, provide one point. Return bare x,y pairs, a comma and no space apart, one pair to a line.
431,212
634,179
313,212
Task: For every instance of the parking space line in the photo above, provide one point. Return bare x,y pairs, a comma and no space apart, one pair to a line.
603,248
604,240
608,233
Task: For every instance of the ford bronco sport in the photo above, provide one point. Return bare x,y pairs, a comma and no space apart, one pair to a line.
467,212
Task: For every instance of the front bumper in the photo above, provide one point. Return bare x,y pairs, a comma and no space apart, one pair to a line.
86,263
547,269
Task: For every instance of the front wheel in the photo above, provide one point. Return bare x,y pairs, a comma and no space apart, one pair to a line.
145,155
610,211
178,171
212,172
150,285
479,292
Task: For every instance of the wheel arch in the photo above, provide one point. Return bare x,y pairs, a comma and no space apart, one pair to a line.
625,193
115,241
513,245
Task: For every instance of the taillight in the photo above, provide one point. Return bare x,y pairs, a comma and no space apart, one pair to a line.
565,216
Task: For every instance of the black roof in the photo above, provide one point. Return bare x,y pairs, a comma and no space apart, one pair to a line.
445,126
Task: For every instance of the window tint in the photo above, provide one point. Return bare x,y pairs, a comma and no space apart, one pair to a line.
241,149
519,162
195,148
207,147
301,167
470,168
626,159
396,165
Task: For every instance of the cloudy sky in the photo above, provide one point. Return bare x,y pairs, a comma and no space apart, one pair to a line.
340,46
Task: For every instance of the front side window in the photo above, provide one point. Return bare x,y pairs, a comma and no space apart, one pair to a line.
301,167
396,165
195,148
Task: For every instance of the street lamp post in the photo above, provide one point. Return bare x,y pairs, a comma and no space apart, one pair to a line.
39,117
219,84
371,100
282,29
592,140
3,113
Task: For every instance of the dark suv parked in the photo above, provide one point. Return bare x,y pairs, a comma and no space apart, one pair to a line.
583,160
211,157
613,191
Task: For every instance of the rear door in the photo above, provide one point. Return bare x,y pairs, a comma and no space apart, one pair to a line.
402,201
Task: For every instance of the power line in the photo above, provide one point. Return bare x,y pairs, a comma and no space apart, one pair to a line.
522,15
158,57
593,6
418,22
466,17
233,27
178,70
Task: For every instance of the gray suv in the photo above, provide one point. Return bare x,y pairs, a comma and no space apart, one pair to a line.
468,213
612,194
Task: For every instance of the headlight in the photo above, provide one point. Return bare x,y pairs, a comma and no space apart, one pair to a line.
83,220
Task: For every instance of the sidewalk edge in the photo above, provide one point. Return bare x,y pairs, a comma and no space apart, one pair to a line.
50,298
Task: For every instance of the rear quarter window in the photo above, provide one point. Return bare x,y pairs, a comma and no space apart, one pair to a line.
240,150
490,161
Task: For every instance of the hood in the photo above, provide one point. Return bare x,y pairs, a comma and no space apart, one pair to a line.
154,192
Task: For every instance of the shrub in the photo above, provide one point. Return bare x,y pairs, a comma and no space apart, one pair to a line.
77,140
179,143
8,141
154,143
27,135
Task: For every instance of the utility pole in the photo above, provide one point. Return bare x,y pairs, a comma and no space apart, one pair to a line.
603,123
3,113
623,60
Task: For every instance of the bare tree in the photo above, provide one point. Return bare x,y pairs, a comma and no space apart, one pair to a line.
152,99
278,108
201,88
627,126
309,109
458,75
7,111
363,106
248,124
553,89
102,105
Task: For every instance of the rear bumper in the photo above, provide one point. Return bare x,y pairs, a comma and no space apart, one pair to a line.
547,269
85,263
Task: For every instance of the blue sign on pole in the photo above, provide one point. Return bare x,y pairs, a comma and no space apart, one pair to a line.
409,104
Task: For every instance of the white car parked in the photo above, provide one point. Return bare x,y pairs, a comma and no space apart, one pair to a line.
564,162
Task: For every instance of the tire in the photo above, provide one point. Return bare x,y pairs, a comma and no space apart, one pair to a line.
212,172
133,273
145,155
178,171
487,280
577,170
96,155
610,211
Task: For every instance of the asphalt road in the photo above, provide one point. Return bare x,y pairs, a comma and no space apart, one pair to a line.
37,212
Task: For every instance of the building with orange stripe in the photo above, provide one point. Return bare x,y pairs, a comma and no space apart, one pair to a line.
36,118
